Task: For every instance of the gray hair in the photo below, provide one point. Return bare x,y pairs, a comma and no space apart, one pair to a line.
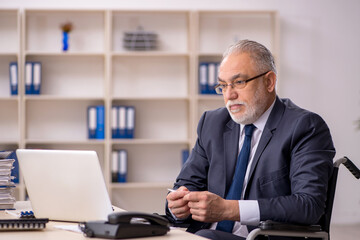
261,56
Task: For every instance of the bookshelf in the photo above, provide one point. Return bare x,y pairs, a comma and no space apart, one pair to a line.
161,84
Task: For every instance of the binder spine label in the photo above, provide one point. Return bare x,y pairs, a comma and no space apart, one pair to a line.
28,77
92,122
13,78
122,122
114,166
114,122
122,177
36,78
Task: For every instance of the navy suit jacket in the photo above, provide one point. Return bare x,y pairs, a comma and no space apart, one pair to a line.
290,170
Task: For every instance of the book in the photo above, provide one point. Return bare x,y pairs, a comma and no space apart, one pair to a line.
14,80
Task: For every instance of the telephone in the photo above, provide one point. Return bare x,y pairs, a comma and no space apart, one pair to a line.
127,225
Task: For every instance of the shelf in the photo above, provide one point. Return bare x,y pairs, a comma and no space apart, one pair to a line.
171,28
9,31
210,97
148,141
43,31
66,76
225,28
150,54
165,76
46,142
140,185
60,98
67,54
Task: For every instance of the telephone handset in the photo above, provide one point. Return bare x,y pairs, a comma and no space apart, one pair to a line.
127,225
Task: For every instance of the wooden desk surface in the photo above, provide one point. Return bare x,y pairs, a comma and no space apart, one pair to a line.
52,233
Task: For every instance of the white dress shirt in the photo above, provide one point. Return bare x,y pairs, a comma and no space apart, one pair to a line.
249,209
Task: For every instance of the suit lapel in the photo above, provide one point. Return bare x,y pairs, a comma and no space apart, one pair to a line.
270,127
231,145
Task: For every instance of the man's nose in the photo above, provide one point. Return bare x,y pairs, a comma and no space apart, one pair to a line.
230,93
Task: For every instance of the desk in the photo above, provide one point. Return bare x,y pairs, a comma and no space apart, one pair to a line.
52,233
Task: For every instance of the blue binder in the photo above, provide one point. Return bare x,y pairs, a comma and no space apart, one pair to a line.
130,122
122,122
115,131
36,83
14,81
123,159
114,166
203,77
100,122
212,78
91,122
28,77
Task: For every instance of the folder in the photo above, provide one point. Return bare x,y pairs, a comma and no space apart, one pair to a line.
122,177
130,122
114,166
114,122
122,122
91,122
100,122
36,84
13,73
28,77
211,78
203,77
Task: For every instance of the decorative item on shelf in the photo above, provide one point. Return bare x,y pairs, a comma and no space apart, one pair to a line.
66,29
33,77
119,166
208,74
140,40
122,121
14,81
96,122
6,180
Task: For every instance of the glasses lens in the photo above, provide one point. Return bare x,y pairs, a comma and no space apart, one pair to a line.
219,90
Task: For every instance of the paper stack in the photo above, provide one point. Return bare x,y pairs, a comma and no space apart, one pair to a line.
7,199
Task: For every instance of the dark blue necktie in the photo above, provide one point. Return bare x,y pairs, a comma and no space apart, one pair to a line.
235,190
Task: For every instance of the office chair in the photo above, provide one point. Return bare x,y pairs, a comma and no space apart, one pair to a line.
322,230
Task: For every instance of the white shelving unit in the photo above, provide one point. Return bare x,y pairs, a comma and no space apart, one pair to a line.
161,84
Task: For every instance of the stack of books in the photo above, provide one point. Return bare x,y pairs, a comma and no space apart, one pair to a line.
7,199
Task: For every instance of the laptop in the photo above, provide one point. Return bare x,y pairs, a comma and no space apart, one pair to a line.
65,185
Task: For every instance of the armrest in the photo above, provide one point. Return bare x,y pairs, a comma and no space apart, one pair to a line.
271,225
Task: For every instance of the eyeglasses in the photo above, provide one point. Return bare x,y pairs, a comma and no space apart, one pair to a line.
221,88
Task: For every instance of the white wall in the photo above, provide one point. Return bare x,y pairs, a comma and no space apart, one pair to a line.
319,65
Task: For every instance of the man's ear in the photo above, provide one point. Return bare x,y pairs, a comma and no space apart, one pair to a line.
270,80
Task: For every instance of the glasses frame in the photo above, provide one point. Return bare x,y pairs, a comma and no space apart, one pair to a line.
236,83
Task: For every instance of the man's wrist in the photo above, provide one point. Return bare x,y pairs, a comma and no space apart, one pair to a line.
232,210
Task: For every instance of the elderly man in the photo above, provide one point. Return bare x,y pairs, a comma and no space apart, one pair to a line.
259,158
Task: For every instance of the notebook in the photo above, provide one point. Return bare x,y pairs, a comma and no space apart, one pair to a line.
65,185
